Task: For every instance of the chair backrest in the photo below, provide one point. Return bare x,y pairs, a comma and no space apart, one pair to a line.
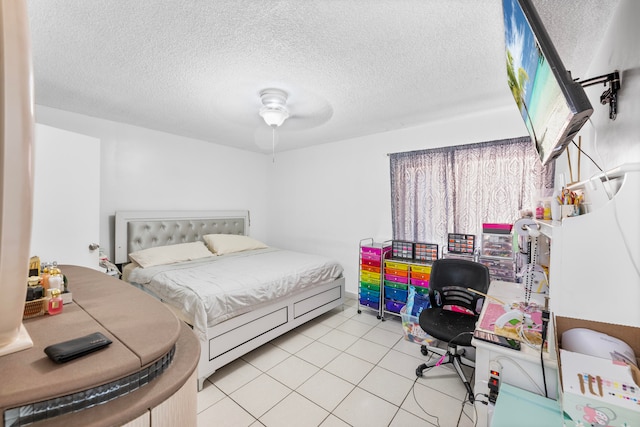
449,282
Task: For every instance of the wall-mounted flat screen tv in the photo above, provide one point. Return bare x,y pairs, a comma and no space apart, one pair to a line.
553,106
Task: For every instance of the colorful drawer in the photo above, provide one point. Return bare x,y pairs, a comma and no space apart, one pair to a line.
424,269
420,276
396,285
418,282
369,298
394,272
371,262
395,294
396,265
393,306
371,304
397,279
370,277
371,252
369,256
369,294
421,290
370,286
370,269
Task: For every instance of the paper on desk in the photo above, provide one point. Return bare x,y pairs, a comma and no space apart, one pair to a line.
510,330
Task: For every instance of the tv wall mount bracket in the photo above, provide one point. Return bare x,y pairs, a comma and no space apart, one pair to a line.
609,96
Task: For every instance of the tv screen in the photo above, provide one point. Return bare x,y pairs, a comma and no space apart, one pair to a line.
553,106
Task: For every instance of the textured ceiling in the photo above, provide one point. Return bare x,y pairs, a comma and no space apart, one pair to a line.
196,67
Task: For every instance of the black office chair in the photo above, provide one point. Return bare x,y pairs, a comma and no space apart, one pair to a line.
448,285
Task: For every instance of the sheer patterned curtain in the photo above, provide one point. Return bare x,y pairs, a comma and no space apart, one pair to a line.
456,189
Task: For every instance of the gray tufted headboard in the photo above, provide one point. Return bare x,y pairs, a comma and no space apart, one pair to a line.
141,230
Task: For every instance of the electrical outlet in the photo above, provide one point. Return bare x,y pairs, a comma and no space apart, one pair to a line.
494,380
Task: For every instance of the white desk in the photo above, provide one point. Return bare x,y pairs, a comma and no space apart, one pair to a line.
520,369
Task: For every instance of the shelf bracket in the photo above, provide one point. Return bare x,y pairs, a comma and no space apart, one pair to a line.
609,96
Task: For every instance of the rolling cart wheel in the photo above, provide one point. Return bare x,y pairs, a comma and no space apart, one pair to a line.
359,311
378,316
423,350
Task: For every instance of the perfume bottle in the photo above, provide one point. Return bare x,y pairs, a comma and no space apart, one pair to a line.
55,278
44,277
54,303
539,210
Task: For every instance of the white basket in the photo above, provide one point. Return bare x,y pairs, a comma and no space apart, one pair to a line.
412,330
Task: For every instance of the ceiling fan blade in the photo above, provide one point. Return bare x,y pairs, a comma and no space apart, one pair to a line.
309,119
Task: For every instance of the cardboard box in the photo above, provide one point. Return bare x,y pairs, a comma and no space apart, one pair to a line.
597,391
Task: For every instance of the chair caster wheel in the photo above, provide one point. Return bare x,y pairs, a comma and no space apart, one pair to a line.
424,350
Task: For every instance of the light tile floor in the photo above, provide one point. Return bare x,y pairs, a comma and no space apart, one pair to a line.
341,369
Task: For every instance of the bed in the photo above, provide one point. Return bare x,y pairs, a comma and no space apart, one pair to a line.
237,299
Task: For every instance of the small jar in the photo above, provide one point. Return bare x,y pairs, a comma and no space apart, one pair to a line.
546,213
539,211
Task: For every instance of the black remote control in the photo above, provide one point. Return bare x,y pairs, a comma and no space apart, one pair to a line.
72,349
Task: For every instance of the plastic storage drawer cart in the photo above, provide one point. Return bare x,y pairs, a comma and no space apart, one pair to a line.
370,280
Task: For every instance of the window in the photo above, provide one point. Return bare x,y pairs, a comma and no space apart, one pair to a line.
456,189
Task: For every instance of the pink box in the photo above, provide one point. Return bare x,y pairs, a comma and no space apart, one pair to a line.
397,279
370,256
418,282
371,251
498,228
371,262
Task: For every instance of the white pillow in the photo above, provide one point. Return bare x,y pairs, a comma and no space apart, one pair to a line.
221,244
169,254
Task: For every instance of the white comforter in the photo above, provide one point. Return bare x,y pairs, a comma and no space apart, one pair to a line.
212,290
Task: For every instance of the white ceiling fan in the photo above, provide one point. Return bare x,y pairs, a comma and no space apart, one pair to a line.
287,116
274,110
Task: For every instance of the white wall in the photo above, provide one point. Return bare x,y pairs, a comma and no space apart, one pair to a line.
612,142
325,199
609,236
143,169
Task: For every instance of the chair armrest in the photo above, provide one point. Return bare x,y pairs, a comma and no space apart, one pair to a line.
434,298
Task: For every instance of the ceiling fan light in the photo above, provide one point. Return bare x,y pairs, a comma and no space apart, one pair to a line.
274,115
